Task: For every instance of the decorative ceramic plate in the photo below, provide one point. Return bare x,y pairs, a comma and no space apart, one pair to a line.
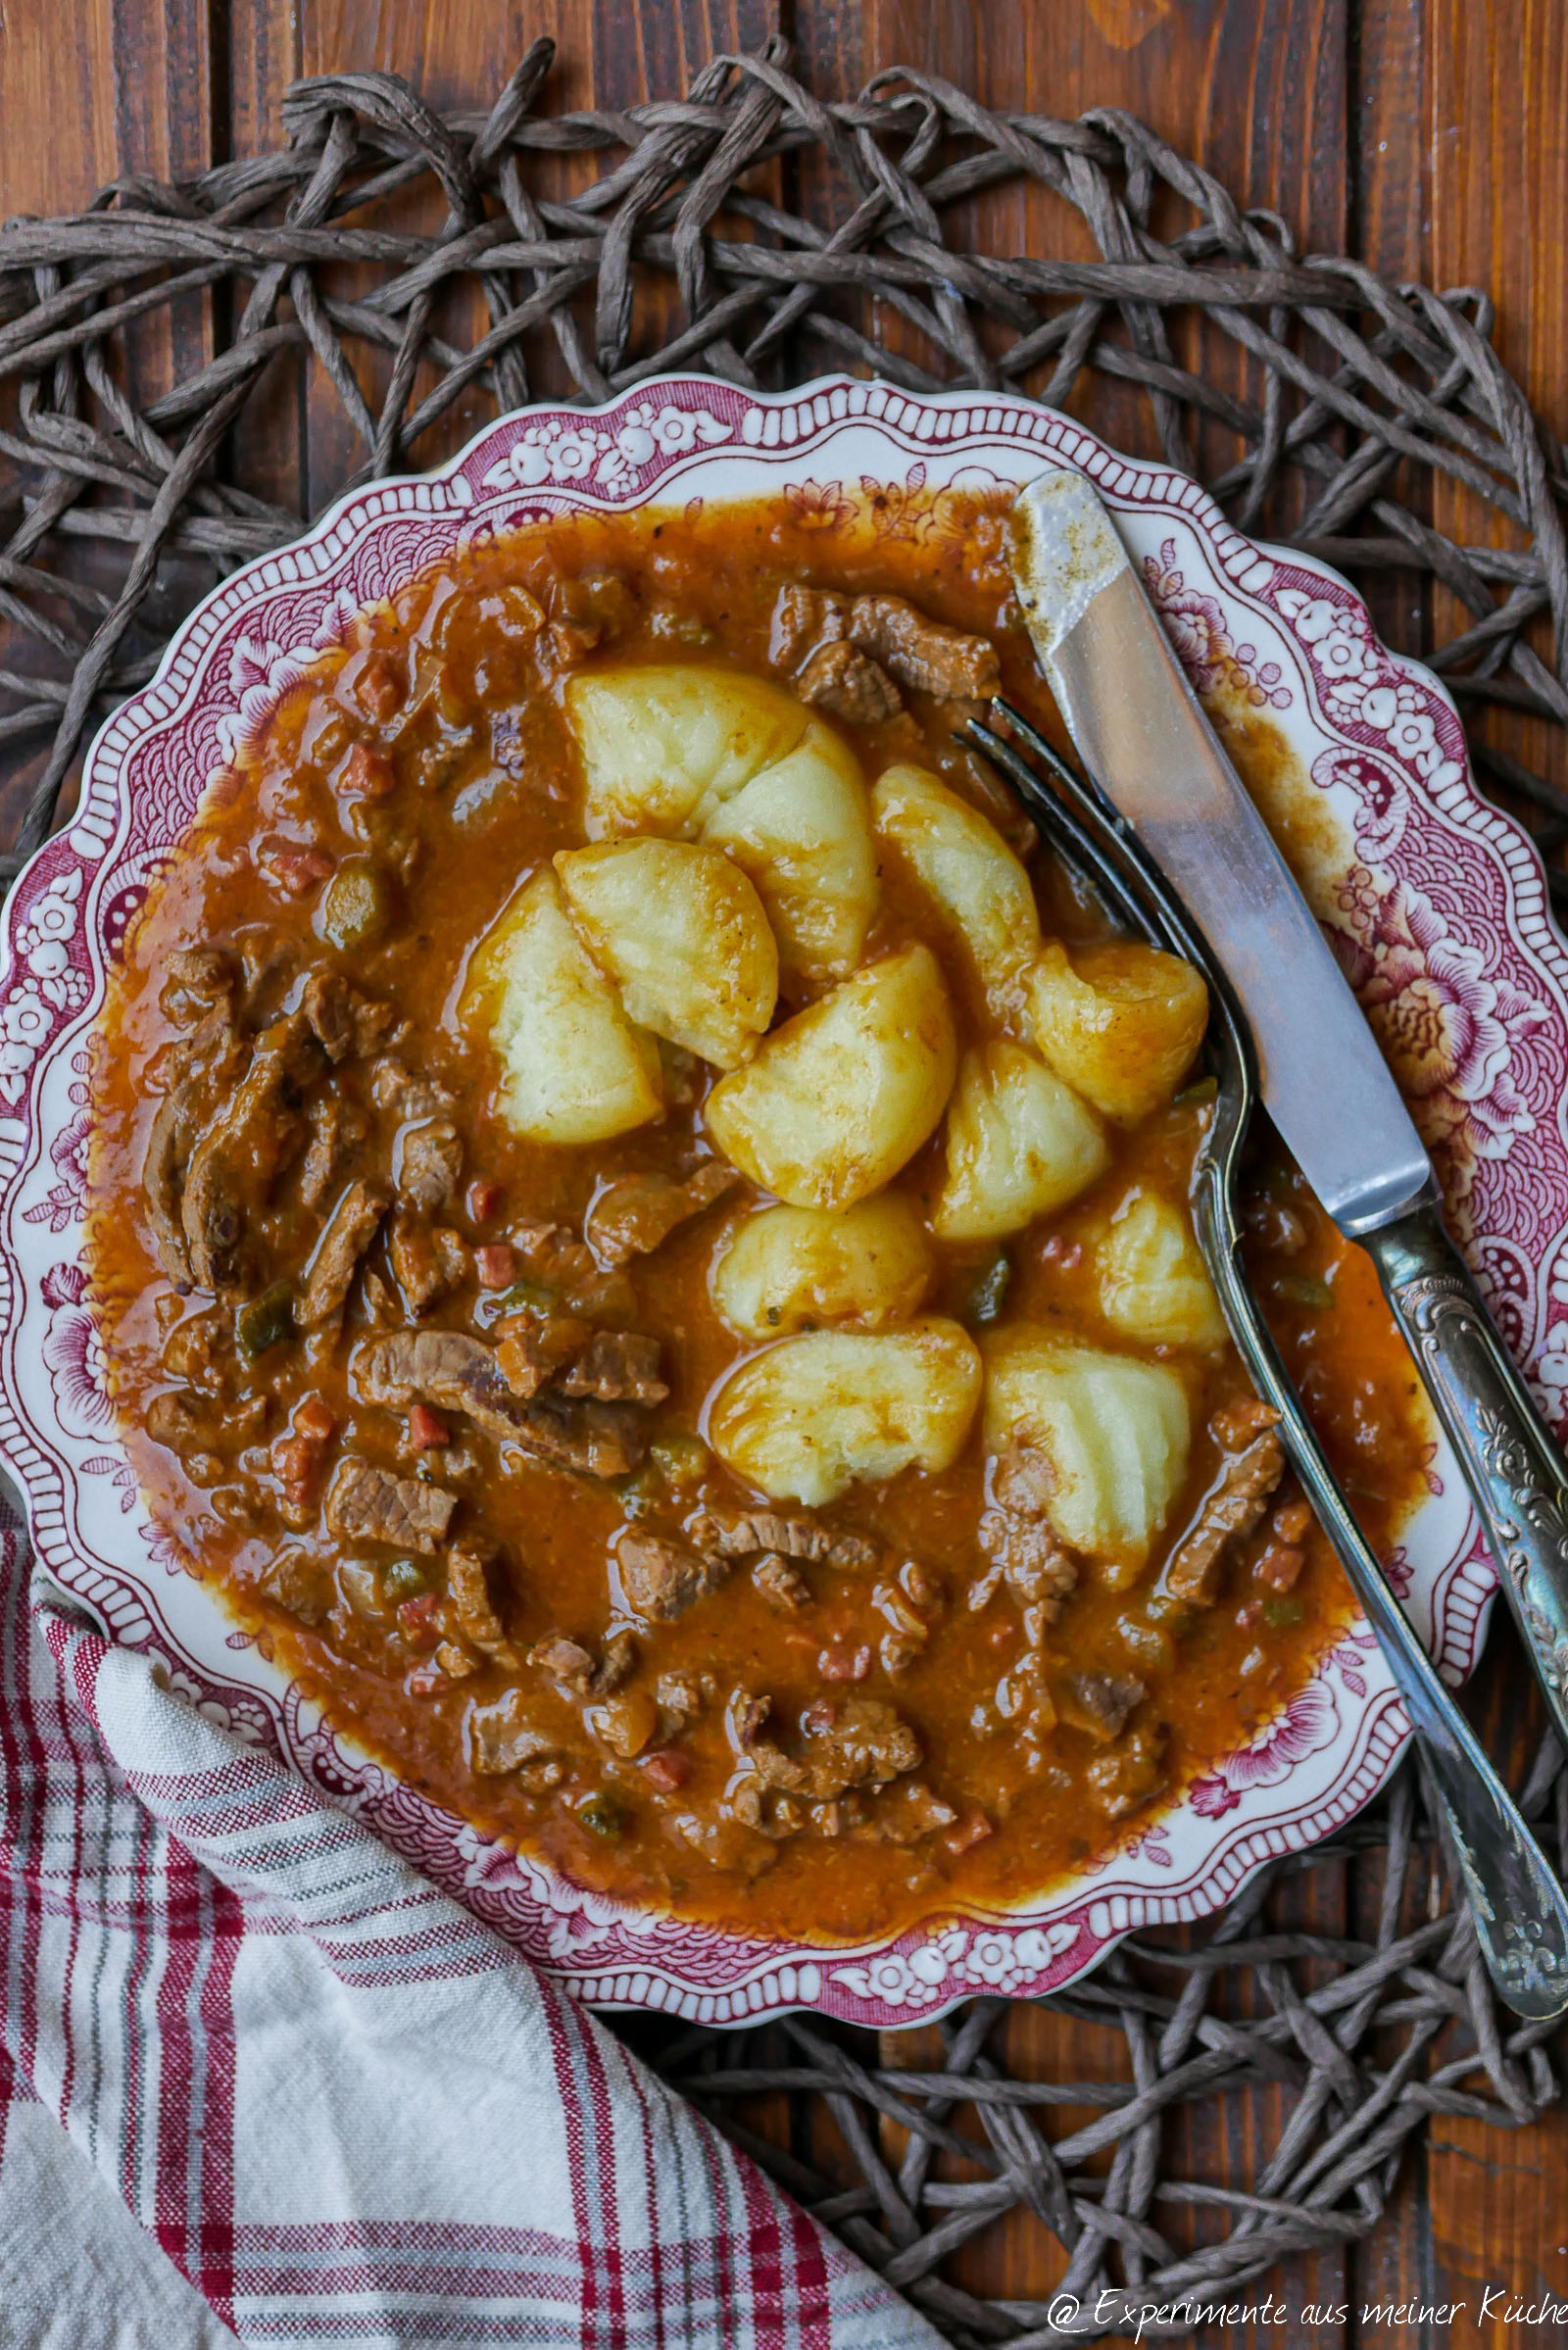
1435,902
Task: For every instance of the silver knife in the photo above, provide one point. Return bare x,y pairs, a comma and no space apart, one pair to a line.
1144,741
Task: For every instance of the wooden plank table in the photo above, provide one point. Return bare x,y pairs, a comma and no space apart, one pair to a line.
1429,136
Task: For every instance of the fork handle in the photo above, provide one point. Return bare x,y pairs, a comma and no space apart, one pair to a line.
1511,1463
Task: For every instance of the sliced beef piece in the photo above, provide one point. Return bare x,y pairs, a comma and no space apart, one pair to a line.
532,1357
469,1583
365,1503
726,1842
617,1366
849,1742
1039,1571
298,1582
205,1065
337,1129
905,1815
502,1739
429,1165
1100,1703
395,1087
1130,1774
805,617
346,1024
662,1578
554,1254
921,654
781,1584
349,1229
427,1260
737,1533
1023,1481
850,684
618,1663
197,981
1228,1514
255,1133
637,1214
456,1373
570,1665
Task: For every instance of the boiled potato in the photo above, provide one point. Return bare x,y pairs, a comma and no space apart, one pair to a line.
1019,1144
1114,1429
800,828
575,1069
839,1098
964,866
659,743
816,1412
1120,1022
682,933
794,1265
1154,1284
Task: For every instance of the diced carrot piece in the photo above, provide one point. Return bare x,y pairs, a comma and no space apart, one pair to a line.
378,689
495,1265
667,1770
418,1621
315,1420
484,1200
426,1428
367,775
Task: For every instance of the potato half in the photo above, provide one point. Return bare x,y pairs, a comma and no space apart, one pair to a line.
794,1265
817,1412
573,1068
1121,1022
800,828
682,933
842,1096
1020,1143
658,742
1114,1429
1154,1284
964,866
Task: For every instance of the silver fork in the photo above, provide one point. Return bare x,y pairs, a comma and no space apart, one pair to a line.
1519,1908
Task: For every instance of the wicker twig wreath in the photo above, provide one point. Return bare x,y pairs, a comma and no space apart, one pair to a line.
752,229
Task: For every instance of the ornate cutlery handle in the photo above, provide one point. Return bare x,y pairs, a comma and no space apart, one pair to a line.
1512,1462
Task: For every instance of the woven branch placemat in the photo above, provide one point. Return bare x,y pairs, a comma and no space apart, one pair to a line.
753,231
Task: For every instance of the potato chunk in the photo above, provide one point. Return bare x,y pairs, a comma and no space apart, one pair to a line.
1120,1022
817,1412
793,1266
573,1068
1154,1284
839,1098
964,866
1019,1144
802,830
682,933
663,744
1114,1429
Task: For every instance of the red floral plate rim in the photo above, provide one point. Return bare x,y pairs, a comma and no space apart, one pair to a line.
1434,901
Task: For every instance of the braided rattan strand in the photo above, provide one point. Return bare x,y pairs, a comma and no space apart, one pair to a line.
1321,403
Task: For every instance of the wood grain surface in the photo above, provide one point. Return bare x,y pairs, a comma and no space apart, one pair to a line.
1430,137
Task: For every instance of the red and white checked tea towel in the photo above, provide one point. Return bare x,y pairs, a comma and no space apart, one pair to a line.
344,2109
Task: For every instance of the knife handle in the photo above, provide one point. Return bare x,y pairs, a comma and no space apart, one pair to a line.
1512,1462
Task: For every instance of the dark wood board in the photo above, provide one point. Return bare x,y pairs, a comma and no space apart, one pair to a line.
1428,136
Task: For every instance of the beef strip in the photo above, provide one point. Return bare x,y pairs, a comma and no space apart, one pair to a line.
922,655
298,1582
427,1260
344,1023
395,1087
737,1533
451,1372
618,1663
853,1742
349,1229
337,1129
805,617
365,1503
469,1583
637,1214
501,1739
782,1586
197,980
662,1578
253,1134
208,1062
1100,1703
1040,1572
570,1665
619,1366
1227,1514
850,684
429,1165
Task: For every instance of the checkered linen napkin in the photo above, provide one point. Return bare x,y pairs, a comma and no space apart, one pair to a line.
345,2109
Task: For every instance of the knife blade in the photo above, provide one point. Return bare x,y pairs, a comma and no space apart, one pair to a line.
1144,740
1147,746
